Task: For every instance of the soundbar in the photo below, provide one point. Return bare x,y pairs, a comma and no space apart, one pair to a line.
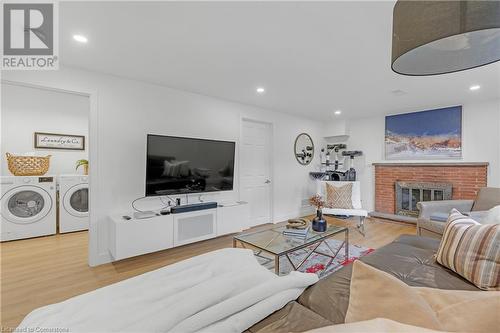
193,207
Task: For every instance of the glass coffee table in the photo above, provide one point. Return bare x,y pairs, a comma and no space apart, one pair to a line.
273,242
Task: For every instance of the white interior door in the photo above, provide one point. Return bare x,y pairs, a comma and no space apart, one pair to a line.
255,170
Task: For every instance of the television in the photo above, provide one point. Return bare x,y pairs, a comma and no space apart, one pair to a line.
178,165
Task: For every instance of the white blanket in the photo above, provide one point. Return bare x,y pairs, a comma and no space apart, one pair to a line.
221,291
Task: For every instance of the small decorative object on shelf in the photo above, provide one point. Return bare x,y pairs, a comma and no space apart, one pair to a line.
297,228
85,164
319,223
297,224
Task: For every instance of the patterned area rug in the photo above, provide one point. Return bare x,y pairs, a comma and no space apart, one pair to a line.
318,263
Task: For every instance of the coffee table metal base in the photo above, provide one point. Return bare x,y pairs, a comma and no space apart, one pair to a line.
258,252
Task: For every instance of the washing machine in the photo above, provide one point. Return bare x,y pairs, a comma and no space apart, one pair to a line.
28,207
73,203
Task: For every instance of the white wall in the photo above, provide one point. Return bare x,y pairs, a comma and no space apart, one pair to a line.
481,143
28,110
127,110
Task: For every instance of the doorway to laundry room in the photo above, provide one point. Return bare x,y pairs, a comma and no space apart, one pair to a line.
44,163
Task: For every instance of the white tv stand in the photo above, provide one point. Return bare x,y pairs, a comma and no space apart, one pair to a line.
129,238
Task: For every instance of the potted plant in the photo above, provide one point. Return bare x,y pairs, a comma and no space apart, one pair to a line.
319,223
85,164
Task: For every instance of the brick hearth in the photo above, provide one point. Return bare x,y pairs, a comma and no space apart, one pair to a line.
466,179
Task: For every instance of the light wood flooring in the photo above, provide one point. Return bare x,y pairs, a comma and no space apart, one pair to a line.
45,270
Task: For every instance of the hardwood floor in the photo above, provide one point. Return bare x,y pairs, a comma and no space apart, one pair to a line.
41,271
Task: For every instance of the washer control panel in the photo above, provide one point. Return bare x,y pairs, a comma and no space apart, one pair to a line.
45,179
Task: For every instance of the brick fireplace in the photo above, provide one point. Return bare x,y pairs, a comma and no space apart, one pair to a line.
465,178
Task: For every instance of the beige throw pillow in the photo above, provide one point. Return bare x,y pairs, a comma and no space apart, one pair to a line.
376,294
471,250
339,197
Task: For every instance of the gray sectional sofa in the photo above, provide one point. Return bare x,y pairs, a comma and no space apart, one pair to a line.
409,258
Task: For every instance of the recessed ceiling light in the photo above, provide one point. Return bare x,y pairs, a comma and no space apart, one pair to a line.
475,87
260,90
80,38
337,112
398,92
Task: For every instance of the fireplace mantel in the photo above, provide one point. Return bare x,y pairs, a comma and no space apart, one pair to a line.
431,164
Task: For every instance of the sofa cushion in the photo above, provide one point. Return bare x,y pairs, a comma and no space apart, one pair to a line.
418,242
377,294
292,318
477,215
493,216
409,258
375,325
348,212
329,297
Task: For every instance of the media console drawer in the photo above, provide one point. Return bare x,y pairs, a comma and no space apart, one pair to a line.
129,238
194,226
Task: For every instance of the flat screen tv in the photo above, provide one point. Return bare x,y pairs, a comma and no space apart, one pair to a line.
177,165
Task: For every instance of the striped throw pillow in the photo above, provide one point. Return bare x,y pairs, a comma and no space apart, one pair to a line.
339,197
471,250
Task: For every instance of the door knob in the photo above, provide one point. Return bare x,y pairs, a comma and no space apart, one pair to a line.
267,181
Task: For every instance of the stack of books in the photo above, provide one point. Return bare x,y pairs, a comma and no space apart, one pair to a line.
301,233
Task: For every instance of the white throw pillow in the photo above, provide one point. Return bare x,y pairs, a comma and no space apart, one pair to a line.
493,216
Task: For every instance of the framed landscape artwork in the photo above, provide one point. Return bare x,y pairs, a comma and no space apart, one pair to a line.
432,134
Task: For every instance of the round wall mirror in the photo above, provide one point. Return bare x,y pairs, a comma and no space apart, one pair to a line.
304,149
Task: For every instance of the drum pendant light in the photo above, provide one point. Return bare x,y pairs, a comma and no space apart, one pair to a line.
438,37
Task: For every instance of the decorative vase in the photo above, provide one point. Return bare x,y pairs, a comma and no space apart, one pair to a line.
85,169
319,223
319,214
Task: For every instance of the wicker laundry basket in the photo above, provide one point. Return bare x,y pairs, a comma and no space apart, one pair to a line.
28,165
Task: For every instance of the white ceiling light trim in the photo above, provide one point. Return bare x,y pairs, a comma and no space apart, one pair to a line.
260,90
80,38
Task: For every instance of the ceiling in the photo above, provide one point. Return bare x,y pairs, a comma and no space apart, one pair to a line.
312,58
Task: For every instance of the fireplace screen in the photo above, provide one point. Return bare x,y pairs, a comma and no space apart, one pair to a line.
409,194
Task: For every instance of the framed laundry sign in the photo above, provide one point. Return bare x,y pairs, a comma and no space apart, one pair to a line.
59,141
